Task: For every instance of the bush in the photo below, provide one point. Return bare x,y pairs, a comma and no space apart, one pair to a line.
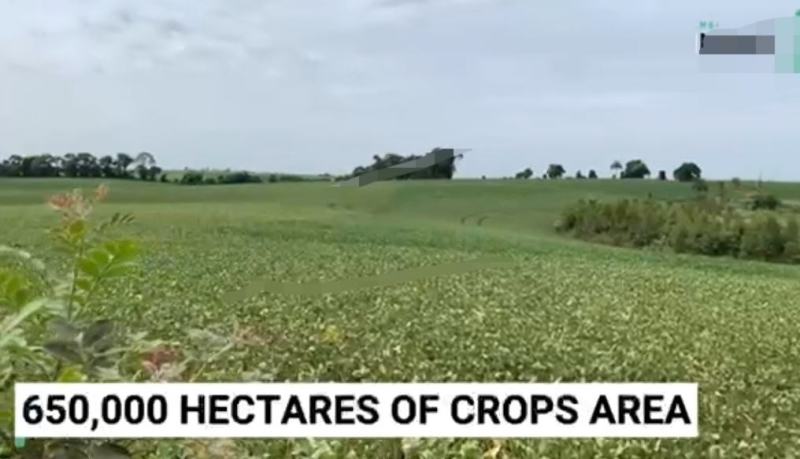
700,186
791,234
57,327
239,177
704,226
636,223
192,178
197,178
764,201
763,239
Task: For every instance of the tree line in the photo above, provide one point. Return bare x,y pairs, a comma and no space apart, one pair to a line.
122,166
143,166
714,226
202,178
634,169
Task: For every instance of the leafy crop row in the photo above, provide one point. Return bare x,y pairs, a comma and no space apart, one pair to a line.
563,311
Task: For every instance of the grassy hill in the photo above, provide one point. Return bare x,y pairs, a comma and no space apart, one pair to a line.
555,310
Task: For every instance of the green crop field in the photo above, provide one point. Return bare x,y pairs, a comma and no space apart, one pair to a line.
555,309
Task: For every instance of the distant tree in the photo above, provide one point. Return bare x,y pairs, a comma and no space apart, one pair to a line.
141,172
239,177
14,166
579,175
526,174
153,172
687,172
662,175
87,165
483,177
27,163
555,171
192,178
44,165
616,166
69,165
144,158
164,178
592,174
736,182
107,168
635,169
121,164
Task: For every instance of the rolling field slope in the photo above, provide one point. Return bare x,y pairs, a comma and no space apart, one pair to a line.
555,309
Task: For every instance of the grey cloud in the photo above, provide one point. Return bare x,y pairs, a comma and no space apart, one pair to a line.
173,26
395,3
268,82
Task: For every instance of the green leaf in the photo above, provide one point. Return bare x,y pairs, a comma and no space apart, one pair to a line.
122,251
89,267
84,284
64,350
12,322
71,374
15,289
116,219
118,270
100,257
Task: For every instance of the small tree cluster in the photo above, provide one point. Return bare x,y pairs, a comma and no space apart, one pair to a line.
555,171
635,169
526,174
704,226
688,172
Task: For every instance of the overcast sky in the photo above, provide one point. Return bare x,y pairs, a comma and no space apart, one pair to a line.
322,85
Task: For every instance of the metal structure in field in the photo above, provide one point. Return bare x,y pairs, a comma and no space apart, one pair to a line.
438,156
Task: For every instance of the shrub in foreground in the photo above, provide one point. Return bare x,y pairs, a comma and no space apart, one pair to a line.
55,328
